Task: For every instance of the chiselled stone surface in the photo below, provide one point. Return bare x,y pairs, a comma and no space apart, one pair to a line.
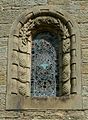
84,67
22,2
83,30
85,102
3,42
2,78
83,6
2,102
12,14
84,43
3,52
3,65
85,90
59,2
75,115
84,79
8,115
55,115
83,17
4,30
86,114
2,88
85,55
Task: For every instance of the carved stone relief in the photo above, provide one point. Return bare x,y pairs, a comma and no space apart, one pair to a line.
21,62
44,61
66,72
22,59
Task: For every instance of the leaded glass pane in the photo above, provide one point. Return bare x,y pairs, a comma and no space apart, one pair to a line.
44,70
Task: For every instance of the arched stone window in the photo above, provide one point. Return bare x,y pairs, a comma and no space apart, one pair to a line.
43,60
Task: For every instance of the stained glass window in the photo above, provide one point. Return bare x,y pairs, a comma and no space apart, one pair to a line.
44,65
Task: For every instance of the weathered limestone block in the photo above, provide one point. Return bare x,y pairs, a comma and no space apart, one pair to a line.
22,2
29,75
85,55
3,52
15,58
66,74
15,32
66,59
14,70
73,85
29,44
22,89
2,78
78,114
3,68
23,46
84,68
84,30
28,89
2,89
15,43
2,102
84,43
83,17
85,91
66,88
3,41
73,53
4,12
14,86
22,74
84,79
5,30
25,67
9,115
23,60
66,45
73,68
85,103
58,2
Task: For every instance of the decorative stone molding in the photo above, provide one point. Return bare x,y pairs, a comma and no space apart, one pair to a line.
24,29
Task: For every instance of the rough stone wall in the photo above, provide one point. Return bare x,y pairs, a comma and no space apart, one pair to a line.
9,10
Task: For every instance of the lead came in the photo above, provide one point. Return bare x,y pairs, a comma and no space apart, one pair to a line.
43,65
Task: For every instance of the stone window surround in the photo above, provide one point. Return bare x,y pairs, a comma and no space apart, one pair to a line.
25,101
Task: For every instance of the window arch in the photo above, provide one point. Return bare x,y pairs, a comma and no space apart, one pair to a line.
43,42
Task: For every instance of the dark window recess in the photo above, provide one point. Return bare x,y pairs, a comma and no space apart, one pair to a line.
44,73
